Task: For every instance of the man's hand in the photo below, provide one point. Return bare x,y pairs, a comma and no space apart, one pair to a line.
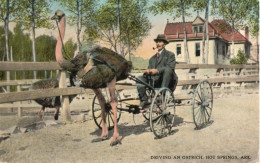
151,72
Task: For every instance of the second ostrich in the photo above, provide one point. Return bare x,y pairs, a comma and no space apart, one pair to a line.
97,68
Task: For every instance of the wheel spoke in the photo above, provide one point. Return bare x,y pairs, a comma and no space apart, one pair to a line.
108,120
209,107
157,118
199,96
158,106
202,116
100,122
111,112
164,100
199,117
111,118
98,116
197,100
207,112
206,115
195,107
97,109
197,112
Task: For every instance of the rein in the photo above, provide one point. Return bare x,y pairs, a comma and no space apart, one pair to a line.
60,37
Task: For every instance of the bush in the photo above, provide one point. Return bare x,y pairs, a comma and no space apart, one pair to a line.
240,58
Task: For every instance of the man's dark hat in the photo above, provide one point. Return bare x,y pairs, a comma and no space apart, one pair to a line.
162,37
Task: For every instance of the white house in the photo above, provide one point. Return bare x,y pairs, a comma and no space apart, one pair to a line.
219,41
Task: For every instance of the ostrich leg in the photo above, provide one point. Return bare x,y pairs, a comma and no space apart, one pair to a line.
112,87
41,114
102,102
56,113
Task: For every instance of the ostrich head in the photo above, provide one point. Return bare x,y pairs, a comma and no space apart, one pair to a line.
58,15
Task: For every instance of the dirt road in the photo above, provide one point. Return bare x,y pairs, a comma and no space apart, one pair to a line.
232,137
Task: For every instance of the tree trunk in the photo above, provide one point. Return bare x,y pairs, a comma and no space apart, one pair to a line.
6,23
203,43
257,47
207,33
118,26
33,38
232,39
184,32
78,28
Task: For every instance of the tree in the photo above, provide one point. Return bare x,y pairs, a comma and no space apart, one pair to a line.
126,36
176,8
21,48
80,11
239,59
45,49
200,5
7,8
33,14
70,48
233,12
21,44
252,21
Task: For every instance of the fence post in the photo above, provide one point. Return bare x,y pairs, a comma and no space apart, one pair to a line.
65,105
19,109
223,85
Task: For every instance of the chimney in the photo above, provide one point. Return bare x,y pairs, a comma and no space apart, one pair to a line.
246,32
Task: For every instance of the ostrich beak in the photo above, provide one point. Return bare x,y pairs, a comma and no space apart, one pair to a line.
54,17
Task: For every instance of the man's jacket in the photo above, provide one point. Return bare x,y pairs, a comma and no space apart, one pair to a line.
166,60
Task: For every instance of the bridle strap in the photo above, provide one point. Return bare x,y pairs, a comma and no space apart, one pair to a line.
60,37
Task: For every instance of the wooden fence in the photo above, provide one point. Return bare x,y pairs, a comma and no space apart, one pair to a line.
224,74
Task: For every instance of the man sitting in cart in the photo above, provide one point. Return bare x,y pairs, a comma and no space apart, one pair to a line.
161,68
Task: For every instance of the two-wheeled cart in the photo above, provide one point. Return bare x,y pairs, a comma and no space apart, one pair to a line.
161,111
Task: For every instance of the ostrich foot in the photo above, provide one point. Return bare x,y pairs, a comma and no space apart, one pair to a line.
104,133
116,140
102,137
41,115
56,113
99,139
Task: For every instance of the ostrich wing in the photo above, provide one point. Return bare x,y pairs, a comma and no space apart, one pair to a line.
45,84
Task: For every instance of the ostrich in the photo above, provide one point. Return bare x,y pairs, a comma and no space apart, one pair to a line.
97,68
51,102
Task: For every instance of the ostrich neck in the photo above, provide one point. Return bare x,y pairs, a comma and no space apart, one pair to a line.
58,53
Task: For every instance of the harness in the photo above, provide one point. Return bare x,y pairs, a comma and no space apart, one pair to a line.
100,61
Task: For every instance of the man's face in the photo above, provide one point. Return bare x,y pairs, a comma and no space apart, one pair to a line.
160,45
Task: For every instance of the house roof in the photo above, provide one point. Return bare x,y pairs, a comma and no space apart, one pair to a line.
217,28
226,31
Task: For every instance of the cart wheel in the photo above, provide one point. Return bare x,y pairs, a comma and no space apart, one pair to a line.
162,113
202,104
96,110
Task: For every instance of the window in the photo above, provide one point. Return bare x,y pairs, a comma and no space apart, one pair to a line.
197,46
178,49
195,29
217,48
200,29
223,50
